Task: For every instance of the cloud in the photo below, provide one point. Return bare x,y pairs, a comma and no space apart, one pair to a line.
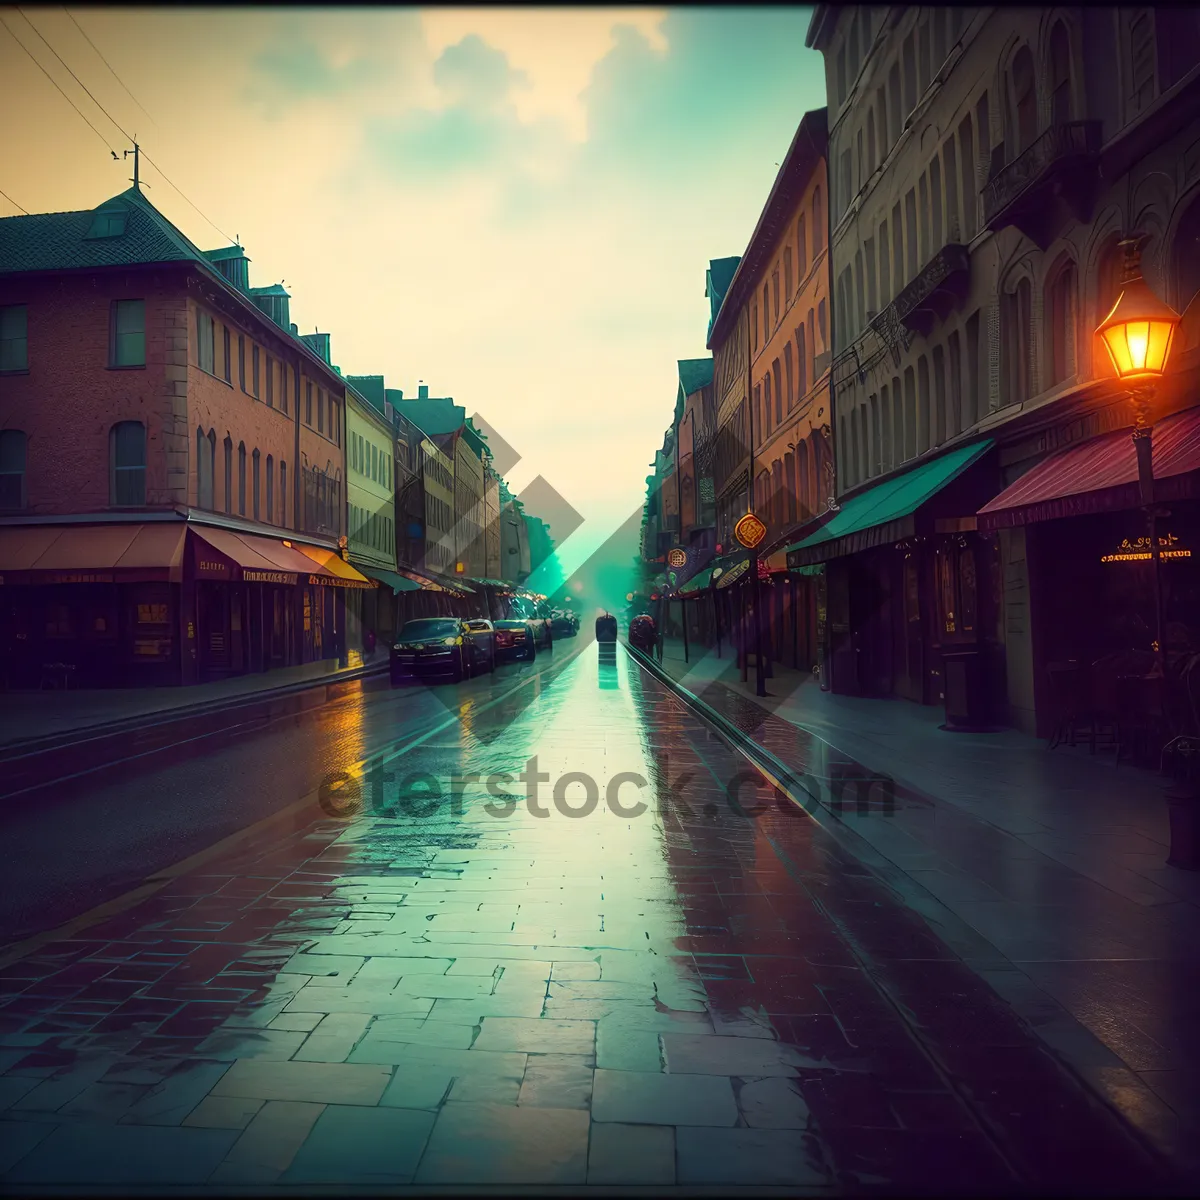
472,74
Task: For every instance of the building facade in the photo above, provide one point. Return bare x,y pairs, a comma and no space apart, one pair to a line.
985,165
168,543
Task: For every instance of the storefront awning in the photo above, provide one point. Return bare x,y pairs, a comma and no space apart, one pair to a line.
332,570
127,553
1101,475
430,581
398,583
885,512
698,583
257,559
729,575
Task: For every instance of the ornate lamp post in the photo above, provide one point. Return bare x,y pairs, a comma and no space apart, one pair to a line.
1137,335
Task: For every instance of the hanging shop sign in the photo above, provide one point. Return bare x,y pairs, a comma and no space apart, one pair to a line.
750,531
1138,549
268,577
733,574
677,558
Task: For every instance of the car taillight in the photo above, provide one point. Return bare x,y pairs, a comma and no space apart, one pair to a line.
504,639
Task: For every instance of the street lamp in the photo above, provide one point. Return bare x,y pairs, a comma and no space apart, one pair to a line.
1137,335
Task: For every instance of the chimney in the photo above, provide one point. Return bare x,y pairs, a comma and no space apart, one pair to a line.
394,395
318,343
233,264
423,391
275,302
294,330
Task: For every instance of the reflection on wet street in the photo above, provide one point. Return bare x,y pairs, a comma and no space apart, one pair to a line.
566,938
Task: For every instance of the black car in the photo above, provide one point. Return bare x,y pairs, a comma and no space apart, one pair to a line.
431,646
480,637
606,628
515,641
536,616
564,624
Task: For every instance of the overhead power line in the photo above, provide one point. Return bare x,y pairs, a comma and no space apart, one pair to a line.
107,64
170,184
14,203
56,85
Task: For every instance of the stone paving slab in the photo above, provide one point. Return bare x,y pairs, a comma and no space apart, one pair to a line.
699,999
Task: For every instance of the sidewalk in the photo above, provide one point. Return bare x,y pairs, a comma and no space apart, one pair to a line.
25,715
1057,858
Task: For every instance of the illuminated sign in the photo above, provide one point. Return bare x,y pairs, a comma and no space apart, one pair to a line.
677,557
733,574
202,565
268,577
1138,549
750,531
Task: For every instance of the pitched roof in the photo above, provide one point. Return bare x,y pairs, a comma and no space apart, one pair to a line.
226,252
695,373
433,417
716,283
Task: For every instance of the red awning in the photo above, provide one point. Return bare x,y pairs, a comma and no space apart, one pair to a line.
93,553
1101,475
261,559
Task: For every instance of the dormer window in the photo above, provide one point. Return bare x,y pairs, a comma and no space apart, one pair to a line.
107,223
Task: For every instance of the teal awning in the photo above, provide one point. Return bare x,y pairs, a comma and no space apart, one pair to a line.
890,503
397,583
697,583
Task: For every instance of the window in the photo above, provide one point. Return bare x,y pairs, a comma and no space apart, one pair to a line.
910,414
939,395
872,299
205,347
757,431
950,173
1060,75
768,325
127,334
308,403
282,492
910,75
845,186
241,362
1015,339
776,307
254,370
925,250
754,324
897,422
841,74
897,249
885,268
205,452
270,382
335,422
801,363
255,458
789,376
1140,82
228,474
859,293
228,354
787,273
1061,310
818,217
939,38
885,433
895,115
960,416
801,248
12,469
127,459
966,166
283,388
14,338
923,433
910,231
973,390
924,73
270,488
822,324
775,371
242,478
1024,101
935,198
871,142
320,410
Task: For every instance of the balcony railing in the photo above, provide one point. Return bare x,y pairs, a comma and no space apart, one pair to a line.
1058,145
935,290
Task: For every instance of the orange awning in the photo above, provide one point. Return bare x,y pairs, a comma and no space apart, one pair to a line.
1101,475
332,570
94,553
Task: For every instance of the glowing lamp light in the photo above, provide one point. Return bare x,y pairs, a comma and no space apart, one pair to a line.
1138,333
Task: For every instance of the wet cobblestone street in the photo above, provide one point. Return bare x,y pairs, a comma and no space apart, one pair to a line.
466,979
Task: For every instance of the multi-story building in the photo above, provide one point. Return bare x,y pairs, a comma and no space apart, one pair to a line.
514,539
493,561
780,286
987,164
469,545
161,534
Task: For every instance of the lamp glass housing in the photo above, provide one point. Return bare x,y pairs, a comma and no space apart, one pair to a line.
1138,333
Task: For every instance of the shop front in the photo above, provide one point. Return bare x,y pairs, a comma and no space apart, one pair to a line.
92,605
908,582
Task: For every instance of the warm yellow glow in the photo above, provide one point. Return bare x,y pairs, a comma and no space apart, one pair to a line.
1138,333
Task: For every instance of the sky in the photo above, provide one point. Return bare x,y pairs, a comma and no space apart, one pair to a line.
514,206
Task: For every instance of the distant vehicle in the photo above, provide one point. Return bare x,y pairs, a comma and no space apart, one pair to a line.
564,624
643,633
606,628
432,646
515,641
537,616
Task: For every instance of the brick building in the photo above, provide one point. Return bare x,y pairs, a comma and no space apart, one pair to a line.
173,458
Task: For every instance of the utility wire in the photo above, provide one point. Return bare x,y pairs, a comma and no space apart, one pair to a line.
107,64
122,131
59,89
74,76
14,203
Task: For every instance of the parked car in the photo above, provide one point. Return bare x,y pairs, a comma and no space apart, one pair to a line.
431,646
542,625
481,642
606,628
564,624
515,641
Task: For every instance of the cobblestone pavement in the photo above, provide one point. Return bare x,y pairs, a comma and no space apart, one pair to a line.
457,981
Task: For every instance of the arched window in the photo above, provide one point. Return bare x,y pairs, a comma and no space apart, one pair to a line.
282,492
1186,258
818,220
768,324
257,482
881,107
12,469
802,361
242,478
885,429
935,200
1062,320
788,279
1060,75
778,507
876,456
959,416
766,406
204,472
756,432
804,500
789,376
910,74
270,488
1139,68
897,422
939,395
871,150
895,115
1024,101
776,372
228,474
1016,337
801,247
127,464
843,451
910,414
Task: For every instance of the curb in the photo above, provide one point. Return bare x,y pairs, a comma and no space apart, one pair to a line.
30,747
961,938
